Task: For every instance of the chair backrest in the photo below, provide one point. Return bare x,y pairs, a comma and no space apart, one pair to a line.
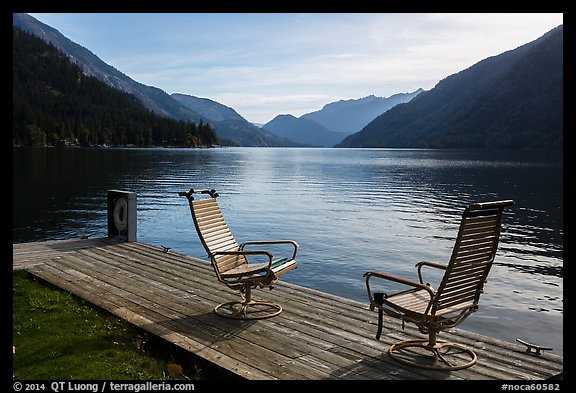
472,257
215,234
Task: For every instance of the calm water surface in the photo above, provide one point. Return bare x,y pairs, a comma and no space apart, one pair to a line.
351,211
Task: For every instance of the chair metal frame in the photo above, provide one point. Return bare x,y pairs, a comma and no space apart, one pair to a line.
434,310
231,263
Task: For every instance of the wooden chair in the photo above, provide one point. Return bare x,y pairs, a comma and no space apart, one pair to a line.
231,260
434,310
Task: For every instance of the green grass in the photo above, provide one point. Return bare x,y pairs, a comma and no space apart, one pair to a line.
58,336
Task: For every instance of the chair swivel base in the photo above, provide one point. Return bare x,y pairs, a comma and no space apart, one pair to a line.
250,310
443,355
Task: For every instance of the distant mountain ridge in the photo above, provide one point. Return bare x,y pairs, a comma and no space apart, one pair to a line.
513,100
235,131
210,110
303,130
350,116
336,120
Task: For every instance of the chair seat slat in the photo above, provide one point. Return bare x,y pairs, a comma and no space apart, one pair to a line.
414,301
246,270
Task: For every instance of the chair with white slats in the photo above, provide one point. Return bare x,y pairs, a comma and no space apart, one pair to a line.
433,310
231,261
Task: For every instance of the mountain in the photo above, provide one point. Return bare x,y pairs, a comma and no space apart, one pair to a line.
210,110
513,100
239,132
336,120
303,130
54,103
350,116
232,127
244,133
153,98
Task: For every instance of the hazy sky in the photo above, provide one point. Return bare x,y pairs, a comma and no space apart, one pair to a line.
266,64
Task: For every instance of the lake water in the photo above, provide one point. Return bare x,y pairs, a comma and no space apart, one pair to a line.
351,211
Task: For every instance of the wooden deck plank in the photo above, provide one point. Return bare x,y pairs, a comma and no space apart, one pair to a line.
318,335
29,254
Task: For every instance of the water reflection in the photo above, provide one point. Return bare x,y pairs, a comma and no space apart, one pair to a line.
554,271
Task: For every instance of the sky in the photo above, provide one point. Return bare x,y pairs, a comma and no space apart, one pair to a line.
266,64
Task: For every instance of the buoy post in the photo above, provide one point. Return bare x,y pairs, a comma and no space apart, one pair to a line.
121,207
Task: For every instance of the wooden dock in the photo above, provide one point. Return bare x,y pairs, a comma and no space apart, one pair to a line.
318,336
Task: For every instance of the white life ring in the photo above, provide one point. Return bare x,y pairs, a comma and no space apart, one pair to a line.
121,214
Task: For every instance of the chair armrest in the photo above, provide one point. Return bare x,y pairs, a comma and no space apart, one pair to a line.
430,264
246,253
272,242
388,277
242,252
